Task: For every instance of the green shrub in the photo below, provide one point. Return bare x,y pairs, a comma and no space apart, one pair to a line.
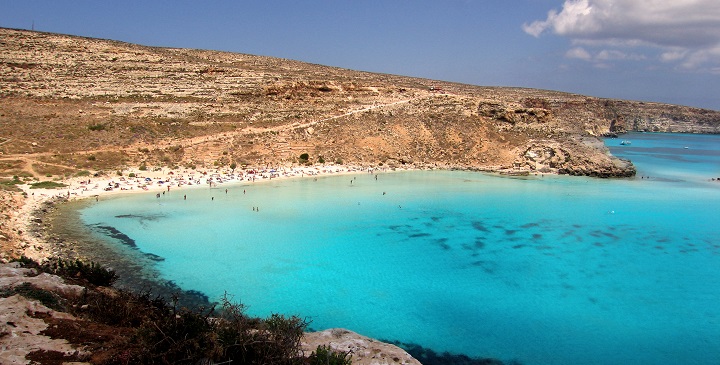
27,290
304,158
91,158
142,167
97,127
132,174
10,184
83,173
324,355
247,340
93,273
47,185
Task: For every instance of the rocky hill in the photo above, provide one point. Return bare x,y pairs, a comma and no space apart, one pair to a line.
71,104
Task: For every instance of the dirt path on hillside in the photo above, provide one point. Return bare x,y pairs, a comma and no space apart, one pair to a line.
29,159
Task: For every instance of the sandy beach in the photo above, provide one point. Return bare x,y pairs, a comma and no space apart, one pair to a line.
159,181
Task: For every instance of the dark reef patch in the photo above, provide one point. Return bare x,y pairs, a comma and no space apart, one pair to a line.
442,243
480,227
142,218
427,356
399,227
154,257
112,232
489,267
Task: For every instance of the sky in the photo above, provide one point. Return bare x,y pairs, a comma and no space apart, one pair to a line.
648,50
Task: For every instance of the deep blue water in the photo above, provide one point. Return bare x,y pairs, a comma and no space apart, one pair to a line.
543,270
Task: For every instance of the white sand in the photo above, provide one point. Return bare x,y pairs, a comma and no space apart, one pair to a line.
157,181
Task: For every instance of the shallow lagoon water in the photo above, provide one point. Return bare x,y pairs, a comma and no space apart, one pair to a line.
543,270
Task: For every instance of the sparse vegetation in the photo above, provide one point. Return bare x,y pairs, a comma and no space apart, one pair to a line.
10,184
324,355
97,127
47,185
91,273
304,158
47,298
155,331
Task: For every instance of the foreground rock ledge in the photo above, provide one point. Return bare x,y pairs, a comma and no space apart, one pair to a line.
22,322
364,350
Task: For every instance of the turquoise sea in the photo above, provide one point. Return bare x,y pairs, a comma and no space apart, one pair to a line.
540,270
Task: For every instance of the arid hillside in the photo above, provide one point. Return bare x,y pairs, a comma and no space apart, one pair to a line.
70,104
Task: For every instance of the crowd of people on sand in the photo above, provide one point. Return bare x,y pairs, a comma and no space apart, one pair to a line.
165,180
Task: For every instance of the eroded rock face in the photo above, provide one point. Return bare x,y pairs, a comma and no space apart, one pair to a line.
22,320
514,114
580,159
11,275
364,350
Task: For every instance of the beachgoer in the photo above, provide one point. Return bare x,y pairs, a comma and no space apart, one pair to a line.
185,197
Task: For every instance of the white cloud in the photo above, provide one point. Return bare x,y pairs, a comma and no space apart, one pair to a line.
615,55
686,31
579,53
673,55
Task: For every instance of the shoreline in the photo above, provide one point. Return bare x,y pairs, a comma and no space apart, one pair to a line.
31,215
36,217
